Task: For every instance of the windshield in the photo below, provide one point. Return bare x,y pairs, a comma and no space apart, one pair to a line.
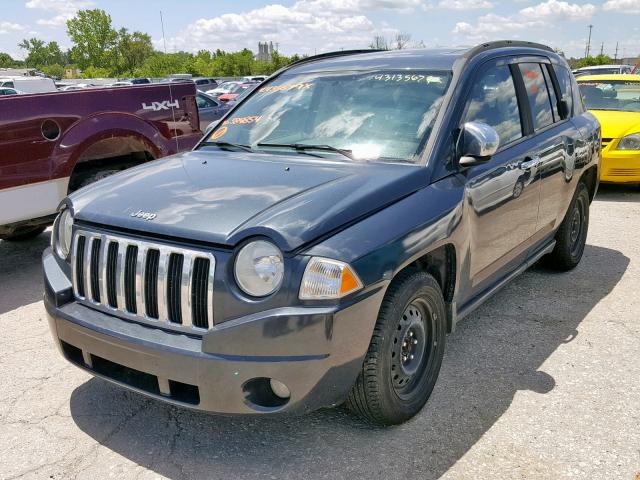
623,95
373,115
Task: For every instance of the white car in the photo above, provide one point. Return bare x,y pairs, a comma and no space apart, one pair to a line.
604,70
9,91
225,87
29,84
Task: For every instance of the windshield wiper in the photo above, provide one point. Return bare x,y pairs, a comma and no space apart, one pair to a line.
246,148
306,146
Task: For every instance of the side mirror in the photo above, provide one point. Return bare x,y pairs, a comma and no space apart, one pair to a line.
563,109
477,143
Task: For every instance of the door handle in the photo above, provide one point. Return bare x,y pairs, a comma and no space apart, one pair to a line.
530,162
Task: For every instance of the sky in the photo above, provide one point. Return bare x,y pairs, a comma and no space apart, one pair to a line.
315,26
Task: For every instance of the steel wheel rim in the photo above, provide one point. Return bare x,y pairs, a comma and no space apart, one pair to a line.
412,348
577,227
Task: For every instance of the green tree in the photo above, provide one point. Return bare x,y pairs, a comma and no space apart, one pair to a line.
41,54
202,64
56,70
96,72
6,61
131,51
93,39
597,60
36,51
161,65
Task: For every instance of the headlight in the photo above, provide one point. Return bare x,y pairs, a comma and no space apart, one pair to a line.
328,279
630,142
62,233
259,268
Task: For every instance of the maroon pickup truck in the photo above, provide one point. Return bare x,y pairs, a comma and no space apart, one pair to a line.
54,143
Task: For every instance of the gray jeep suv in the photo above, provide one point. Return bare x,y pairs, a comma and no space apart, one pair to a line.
318,244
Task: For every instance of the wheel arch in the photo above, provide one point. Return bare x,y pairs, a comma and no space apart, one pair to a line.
107,135
590,179
441,263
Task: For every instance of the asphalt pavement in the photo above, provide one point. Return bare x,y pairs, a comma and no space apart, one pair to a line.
542,382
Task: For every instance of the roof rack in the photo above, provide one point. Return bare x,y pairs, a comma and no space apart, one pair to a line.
339,53
506,43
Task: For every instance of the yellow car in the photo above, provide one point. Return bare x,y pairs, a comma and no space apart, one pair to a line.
615,101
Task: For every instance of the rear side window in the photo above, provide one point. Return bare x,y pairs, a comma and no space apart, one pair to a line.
564,81
538,94
493,101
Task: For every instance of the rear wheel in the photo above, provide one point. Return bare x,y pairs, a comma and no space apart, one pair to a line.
571,237
90,177
404,357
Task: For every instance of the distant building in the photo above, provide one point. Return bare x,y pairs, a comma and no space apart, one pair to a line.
630,61
71,72
265,51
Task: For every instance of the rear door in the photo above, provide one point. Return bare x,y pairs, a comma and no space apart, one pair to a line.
556,136
503,194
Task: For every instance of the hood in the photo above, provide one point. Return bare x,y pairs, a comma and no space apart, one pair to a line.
617,124
223,197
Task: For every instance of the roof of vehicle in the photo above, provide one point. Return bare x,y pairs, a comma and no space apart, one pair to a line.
611,76
433,59
598,67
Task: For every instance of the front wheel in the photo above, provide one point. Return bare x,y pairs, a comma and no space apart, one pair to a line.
571,237
404,357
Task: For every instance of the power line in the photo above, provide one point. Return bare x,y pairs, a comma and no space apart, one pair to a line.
588,49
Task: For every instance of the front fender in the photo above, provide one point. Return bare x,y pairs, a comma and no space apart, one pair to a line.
381,245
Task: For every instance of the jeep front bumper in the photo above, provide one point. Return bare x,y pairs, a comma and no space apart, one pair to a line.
316,352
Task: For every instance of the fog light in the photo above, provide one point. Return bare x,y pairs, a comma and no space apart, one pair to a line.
279,388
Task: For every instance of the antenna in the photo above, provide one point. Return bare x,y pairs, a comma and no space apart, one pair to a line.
173,109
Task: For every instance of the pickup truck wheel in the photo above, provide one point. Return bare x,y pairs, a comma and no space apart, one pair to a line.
23,233
91,177
404,357
572,234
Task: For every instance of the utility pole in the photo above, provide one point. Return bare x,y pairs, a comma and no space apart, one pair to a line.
602,49
588,49
615,57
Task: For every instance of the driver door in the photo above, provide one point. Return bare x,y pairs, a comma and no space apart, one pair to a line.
502,195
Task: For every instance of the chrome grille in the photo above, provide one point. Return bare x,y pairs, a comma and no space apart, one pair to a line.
150,282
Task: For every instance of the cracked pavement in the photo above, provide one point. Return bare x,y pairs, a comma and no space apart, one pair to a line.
540,382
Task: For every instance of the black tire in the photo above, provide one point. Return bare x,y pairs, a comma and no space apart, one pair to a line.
23,233
391,388
571,237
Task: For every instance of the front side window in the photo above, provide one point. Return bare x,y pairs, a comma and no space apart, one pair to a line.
621,95
373,115
493,101
538,94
